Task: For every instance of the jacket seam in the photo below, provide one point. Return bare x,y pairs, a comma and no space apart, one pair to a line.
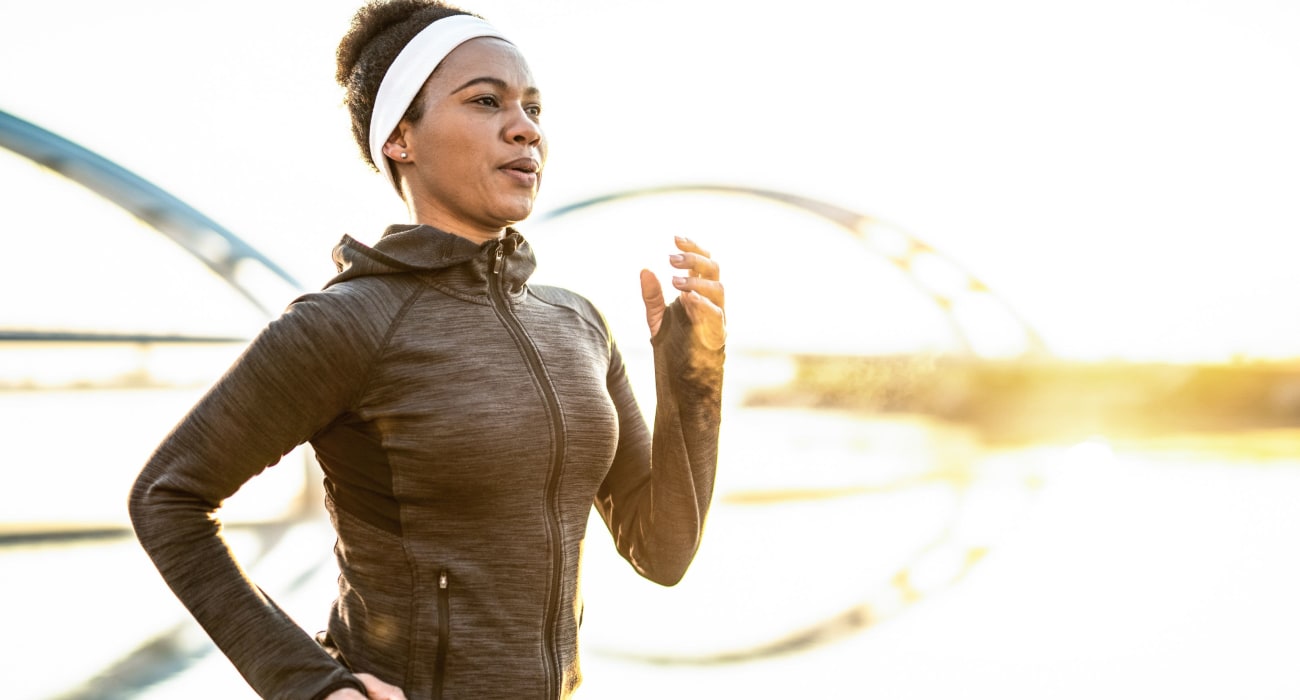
600,329
382,348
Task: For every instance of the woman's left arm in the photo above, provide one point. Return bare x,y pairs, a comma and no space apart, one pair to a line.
658,490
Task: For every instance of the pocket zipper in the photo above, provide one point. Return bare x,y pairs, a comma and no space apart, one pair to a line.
444,633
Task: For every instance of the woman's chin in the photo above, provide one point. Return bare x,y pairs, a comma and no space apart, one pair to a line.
516,211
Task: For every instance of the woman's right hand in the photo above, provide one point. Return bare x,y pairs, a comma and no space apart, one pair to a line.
375,690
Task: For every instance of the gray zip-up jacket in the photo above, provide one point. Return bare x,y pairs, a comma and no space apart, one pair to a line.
465,422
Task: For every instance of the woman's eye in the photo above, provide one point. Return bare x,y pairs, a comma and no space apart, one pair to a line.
487,101
534,110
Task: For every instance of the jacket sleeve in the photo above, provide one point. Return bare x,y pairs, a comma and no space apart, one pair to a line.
292,380
657,492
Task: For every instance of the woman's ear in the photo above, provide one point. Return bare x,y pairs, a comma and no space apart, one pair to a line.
395,147
395,152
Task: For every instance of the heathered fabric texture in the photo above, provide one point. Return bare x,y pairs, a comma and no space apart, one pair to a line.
465,422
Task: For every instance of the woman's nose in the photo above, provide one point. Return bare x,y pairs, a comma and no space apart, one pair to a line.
522,129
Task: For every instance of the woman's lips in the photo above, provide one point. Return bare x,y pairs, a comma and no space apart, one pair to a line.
525,171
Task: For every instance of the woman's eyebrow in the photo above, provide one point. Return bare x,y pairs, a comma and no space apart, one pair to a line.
497,83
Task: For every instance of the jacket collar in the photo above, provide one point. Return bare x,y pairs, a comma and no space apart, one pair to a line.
422,248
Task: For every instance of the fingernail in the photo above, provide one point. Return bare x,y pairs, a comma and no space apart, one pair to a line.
679,281
677,258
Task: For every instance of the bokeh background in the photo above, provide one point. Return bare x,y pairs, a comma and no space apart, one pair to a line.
1013,381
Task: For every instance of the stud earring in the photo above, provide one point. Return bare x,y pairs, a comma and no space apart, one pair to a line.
403,155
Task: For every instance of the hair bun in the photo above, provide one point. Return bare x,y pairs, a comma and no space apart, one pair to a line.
379,31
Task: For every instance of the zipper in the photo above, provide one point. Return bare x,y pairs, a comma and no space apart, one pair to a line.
444,634
496,292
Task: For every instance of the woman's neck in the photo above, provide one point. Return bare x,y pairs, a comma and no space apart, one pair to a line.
438,218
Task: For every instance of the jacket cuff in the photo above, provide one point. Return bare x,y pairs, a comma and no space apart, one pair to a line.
688,359
339,685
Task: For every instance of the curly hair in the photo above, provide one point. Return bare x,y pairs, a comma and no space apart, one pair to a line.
379,31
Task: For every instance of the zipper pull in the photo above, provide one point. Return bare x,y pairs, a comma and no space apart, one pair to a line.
500,256
442,580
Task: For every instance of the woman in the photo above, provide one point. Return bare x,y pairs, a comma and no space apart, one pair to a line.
464,420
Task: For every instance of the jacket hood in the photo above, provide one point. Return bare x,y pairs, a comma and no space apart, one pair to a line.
422,248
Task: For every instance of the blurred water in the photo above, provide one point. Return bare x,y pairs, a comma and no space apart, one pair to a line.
845,557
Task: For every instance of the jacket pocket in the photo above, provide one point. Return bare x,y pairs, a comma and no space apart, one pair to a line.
444,634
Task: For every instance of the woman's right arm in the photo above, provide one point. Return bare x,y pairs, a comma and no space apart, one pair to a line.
298,374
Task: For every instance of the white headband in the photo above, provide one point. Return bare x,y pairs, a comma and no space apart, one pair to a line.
411,69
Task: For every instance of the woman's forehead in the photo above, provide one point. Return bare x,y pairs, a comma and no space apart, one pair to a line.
485,57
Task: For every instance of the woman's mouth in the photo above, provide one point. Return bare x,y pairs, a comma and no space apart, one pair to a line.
525,171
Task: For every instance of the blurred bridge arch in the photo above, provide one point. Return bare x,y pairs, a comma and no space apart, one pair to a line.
262,281
942,551
938,277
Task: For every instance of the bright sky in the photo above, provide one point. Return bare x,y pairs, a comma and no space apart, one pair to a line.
1123,172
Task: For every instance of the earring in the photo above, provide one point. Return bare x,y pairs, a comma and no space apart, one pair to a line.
403,155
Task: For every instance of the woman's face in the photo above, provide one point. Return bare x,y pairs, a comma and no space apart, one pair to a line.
475,157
